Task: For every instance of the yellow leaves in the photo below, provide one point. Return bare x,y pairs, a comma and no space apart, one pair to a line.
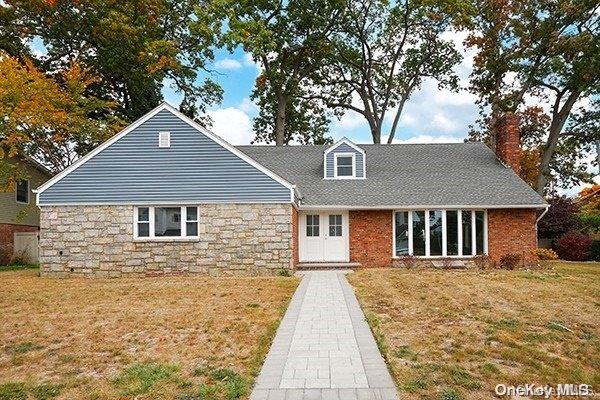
530,161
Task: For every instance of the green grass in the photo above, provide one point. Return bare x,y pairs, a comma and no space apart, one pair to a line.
22,391
139,378
222,383
18,267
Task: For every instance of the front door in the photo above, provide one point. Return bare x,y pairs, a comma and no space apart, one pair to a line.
323,236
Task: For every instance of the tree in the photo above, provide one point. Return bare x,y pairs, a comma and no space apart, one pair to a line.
547,49
382,55
567,166
52,121
132,46
290,41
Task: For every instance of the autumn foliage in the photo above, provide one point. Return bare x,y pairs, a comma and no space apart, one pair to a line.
51,119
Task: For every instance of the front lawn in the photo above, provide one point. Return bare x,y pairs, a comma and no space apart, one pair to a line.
165,337
457,334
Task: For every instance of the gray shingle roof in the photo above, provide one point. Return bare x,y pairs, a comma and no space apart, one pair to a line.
403,175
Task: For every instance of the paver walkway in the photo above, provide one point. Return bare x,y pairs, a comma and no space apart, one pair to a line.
324,348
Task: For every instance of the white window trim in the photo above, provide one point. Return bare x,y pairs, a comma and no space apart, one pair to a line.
28,196
444,230
335,171
183,222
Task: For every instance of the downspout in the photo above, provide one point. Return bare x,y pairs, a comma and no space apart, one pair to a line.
536,224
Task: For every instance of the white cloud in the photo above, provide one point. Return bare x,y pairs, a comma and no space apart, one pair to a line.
248,106
228,64
425,139
249,62
442,123
232,124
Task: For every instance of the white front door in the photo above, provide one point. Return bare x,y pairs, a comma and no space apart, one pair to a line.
323,236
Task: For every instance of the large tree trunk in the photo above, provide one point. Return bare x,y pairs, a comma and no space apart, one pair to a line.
280,120
559,117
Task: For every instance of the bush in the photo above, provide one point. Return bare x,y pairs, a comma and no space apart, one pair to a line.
594,251
573,246
6,254
545,254
510,261
482,261
560,218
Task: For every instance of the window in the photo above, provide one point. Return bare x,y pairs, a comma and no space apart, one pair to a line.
23,191
191,221
143,222
479,232
164,139
467,233
435,233
312,225
418,232
335,225
344,165
440,233
166,222
452,232
401,233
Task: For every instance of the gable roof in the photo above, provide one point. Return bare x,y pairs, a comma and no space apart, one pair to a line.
404,176
139,122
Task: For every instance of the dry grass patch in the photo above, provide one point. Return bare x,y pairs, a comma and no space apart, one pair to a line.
456,334
169,337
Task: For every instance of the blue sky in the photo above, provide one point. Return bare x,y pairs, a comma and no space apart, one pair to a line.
431,115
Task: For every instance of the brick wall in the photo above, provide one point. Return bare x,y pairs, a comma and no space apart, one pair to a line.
512,231
508,141
7,235
371,237
295,244
235,239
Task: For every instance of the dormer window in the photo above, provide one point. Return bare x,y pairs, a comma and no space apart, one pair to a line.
344,160
344,165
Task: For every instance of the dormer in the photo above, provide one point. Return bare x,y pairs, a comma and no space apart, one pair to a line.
344,160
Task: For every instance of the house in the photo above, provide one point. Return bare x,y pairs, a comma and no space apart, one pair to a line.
167,196
19,215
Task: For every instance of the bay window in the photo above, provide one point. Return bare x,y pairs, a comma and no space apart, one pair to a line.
440,233
165,223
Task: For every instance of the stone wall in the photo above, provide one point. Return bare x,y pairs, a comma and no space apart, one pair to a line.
371,237
238,239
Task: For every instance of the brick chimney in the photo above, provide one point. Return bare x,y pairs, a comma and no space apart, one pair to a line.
508,141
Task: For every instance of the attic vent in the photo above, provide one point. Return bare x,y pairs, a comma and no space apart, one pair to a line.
164,139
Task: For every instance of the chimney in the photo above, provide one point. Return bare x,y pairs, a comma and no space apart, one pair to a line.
508,141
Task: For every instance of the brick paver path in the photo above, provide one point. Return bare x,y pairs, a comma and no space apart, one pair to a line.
324,349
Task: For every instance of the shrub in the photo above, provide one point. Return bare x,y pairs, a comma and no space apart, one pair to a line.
590,223
285,272
560,218
510,261
594,251
408,260
482,261
6,254
545,254
573,246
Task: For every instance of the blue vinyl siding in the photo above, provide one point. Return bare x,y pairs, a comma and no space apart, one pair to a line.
194,169
345,148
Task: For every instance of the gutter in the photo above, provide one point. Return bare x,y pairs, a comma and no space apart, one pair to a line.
537,240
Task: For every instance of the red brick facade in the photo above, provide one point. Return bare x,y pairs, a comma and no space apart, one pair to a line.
508,141
371,237
512,231
295,254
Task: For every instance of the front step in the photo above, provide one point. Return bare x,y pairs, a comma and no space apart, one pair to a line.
312,266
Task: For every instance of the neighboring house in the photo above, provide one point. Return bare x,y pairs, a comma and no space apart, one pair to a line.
19,214
167,196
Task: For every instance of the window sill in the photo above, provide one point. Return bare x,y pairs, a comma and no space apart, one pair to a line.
437,257
167,239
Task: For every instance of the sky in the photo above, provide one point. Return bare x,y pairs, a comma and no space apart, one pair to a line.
430,116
